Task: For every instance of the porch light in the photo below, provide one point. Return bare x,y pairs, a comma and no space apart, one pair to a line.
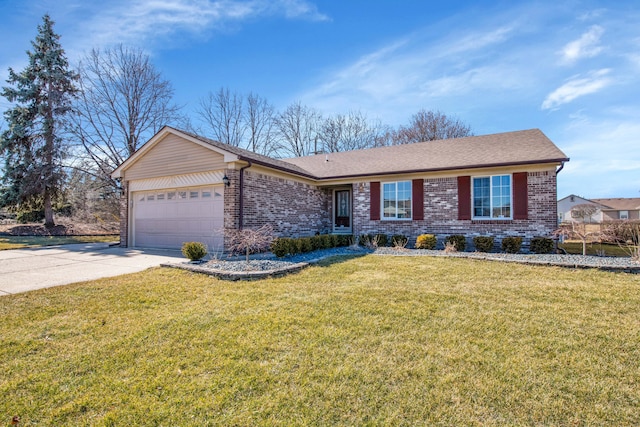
225,180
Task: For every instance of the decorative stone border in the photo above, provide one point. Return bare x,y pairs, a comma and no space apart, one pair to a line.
240,275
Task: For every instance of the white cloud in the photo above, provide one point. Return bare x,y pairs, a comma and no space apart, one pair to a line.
577,86
156,20
587,46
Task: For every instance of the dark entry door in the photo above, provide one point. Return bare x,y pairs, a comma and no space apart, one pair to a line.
342,210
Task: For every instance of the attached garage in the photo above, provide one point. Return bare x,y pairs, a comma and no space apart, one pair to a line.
176,192
167,218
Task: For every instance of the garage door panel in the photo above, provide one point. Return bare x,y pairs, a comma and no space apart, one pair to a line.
168,218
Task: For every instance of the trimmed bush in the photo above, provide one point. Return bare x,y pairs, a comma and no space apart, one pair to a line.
399,240
282,246
512,244
426,241
541,245
483,243
458,240
195,251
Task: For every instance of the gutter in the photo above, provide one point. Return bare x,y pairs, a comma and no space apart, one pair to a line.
561,167
241,206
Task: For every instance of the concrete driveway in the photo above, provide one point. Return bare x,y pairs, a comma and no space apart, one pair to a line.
23,270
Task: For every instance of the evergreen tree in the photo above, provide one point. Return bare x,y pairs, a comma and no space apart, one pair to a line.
33,143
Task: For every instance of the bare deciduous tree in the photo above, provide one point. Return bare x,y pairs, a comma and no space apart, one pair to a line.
430,126
124,101
626,234
577,226
298,127
222,112
349,132
259,117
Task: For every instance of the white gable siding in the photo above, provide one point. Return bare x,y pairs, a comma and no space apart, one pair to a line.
175,156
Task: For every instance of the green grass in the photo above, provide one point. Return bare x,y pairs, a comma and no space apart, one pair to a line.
366,341
20,242
575,247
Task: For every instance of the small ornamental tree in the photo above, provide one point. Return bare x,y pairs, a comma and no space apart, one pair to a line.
250,241
32,145
576,227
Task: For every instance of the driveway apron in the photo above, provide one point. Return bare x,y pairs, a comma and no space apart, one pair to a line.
23,270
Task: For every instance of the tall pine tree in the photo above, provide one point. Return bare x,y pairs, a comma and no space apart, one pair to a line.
33,143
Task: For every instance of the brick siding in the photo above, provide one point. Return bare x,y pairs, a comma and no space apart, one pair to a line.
441,213
292,207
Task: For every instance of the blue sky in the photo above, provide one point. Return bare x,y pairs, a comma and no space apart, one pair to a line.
570,68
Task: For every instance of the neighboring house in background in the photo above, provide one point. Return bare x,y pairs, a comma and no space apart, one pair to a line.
182,187
567,203
608,209
619,208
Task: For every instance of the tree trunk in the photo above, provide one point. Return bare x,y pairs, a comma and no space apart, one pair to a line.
48,210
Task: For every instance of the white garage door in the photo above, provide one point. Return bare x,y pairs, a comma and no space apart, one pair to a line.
168,218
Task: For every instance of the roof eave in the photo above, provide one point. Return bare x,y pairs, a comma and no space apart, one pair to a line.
461,167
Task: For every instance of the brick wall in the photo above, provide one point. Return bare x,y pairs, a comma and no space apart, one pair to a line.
293,208
441,213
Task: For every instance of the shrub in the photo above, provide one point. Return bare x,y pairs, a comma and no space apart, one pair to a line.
303,245
458,240
27,216
399,240
512,244
541,245
317,241
282,246
483,243
382,239
344,239
365,239
426,241
195,251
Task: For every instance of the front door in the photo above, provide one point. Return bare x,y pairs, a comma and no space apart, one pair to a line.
342,211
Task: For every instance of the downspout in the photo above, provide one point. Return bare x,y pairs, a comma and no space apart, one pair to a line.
241,205
556,237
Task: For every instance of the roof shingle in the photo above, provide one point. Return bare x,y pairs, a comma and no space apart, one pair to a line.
511,148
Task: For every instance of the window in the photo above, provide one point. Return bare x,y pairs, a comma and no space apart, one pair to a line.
624,214
396,200
151,197
160,196
171,195
206,194
492,197
193,194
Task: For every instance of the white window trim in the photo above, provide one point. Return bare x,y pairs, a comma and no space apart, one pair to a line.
382,217
490,218
626,215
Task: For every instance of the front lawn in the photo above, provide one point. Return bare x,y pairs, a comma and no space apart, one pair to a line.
595,248
20,242
374,340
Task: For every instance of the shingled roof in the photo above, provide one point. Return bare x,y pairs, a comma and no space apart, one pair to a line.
619,204
502,149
